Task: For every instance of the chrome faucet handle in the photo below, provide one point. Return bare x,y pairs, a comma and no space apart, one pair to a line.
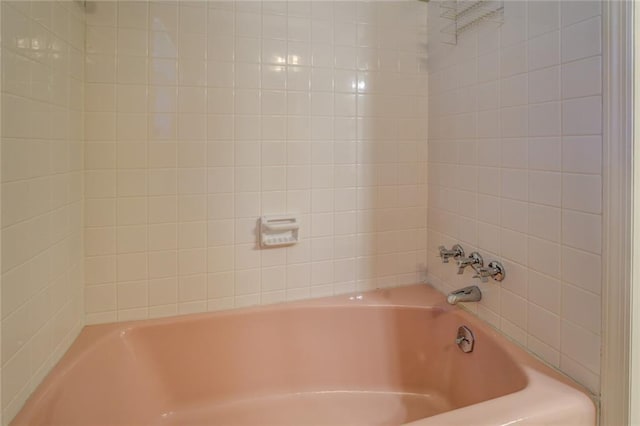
483,274
456,252
494,270
474,260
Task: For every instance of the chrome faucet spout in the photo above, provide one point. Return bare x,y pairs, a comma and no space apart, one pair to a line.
466,294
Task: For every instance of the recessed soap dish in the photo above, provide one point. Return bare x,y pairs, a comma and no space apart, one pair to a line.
278,231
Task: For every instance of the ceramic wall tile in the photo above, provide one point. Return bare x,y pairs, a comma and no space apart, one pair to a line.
219,116
536,134
41,185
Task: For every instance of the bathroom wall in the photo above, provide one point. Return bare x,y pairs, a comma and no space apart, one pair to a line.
41,187
1,62
200,117
515,171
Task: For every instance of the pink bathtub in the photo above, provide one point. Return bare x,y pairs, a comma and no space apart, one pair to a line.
385,357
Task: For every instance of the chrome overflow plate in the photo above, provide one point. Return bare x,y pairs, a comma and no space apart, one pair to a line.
465,339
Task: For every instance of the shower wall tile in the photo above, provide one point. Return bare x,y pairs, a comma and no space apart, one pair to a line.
42,191
201,117
534,137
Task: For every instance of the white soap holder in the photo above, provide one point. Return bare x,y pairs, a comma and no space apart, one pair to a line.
278,230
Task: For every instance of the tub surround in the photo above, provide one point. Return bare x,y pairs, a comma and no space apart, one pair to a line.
380,357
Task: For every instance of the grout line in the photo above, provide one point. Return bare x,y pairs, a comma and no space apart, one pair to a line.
146,150
561,312
115,142
206,150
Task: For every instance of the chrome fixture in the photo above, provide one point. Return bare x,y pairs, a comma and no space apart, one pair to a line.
494,270
456,252
474,260
467,14
465,339
466,294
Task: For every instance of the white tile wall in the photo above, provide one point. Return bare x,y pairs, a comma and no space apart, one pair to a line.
1,86
202,117
515,172
41,186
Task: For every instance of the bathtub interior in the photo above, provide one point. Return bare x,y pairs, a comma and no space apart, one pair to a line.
311,365
327,358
